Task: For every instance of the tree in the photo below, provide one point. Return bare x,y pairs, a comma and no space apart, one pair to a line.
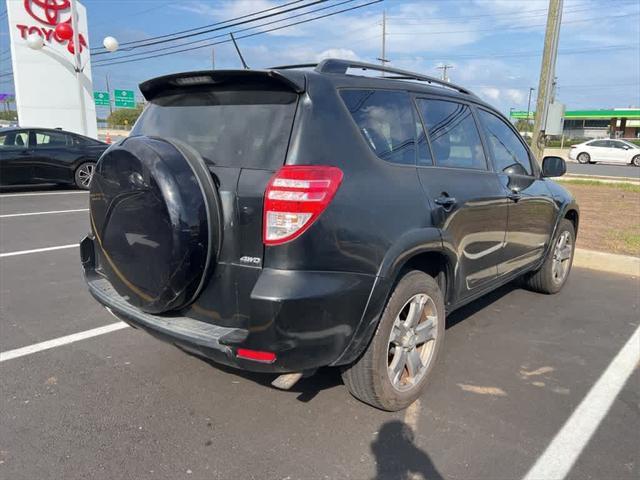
522,125
124,117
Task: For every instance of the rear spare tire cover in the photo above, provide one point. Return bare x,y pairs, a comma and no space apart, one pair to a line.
155,214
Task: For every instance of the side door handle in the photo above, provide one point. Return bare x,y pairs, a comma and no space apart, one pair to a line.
445,201
515,196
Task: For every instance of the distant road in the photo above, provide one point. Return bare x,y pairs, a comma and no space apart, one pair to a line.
604,170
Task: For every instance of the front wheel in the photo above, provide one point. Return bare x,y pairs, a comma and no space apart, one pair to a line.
394,369
635,161
584,158
553,274
84,174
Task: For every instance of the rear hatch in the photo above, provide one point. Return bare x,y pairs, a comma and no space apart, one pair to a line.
239,123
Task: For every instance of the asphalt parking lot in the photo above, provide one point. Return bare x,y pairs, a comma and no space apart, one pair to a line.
524,380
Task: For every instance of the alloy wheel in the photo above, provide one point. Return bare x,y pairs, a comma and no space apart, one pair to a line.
411,342
561,257
85,174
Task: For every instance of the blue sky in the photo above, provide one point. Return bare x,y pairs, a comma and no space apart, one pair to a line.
494,46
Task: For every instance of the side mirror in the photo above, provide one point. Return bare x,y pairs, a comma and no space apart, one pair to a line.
553,167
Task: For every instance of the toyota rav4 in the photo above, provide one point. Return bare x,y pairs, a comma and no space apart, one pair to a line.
303,216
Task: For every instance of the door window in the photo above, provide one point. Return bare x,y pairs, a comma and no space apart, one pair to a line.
14,139
50,139
453,133
385,120
509,153
599,143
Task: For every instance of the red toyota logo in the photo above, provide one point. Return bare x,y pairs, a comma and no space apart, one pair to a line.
47,11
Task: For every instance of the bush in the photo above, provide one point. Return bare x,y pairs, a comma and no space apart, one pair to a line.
124,116
11,115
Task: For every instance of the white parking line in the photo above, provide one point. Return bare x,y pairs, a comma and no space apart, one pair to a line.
57,342
37,194
10,215
567,445
37,250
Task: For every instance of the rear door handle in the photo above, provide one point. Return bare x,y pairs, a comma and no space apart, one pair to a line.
445,201
515,196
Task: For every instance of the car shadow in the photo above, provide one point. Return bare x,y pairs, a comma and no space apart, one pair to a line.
398,458
326,378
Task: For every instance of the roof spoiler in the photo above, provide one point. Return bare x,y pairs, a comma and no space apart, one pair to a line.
293,81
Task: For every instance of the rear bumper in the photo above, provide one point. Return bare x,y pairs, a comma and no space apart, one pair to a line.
307,319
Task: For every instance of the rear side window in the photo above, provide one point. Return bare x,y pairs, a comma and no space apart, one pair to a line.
598,143
386,121
50,139
14,139
247,129
509,154
453,133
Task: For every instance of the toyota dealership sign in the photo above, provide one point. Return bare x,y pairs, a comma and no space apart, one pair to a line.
48,88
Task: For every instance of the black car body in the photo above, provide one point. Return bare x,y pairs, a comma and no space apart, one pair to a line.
39,156
192,214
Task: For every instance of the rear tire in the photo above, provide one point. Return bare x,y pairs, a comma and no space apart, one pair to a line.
397,364
635,161
84,175
584,158
553,274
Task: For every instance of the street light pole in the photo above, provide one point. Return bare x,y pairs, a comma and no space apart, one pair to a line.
531,89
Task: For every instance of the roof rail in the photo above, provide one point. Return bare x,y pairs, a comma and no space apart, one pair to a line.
334,65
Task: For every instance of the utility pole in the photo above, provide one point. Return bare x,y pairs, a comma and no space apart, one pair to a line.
531,89
444,69
383,59
547,74
106,79
213,58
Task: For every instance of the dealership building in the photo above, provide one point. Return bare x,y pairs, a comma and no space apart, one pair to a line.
616,122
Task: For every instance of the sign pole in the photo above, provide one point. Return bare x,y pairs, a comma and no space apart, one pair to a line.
78,65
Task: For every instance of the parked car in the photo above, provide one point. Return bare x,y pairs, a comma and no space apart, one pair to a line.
606,151
288,219
39,156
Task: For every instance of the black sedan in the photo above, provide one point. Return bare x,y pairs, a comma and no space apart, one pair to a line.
39,156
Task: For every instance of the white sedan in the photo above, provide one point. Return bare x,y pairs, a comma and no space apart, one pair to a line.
606,151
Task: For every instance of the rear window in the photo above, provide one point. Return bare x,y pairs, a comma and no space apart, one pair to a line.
248,129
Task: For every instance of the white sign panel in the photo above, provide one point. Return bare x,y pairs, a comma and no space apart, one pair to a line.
49,92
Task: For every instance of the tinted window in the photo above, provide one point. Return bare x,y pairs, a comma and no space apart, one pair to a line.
386,122
50,139
620,145
599,143
424,152
14,139
453,133
248,129
509,154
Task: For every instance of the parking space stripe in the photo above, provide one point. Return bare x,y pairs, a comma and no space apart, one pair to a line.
37,194
565,448
10,215
57,342
37,250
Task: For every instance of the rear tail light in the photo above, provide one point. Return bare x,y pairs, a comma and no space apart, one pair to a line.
295,198
256,355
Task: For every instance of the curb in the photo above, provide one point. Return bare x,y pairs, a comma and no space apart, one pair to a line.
607,262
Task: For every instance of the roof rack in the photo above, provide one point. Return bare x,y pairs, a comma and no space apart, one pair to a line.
336,65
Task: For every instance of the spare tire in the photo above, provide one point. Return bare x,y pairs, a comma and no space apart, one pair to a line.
155,214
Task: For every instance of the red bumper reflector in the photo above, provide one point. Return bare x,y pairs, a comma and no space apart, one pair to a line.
256,355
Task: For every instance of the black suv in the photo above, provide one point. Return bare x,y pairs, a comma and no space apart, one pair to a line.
287,219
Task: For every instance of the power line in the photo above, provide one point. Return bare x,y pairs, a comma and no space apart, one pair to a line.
512,28
243,36
184,34
194,42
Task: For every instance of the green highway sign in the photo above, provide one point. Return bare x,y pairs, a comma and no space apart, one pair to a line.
101,99
124,98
